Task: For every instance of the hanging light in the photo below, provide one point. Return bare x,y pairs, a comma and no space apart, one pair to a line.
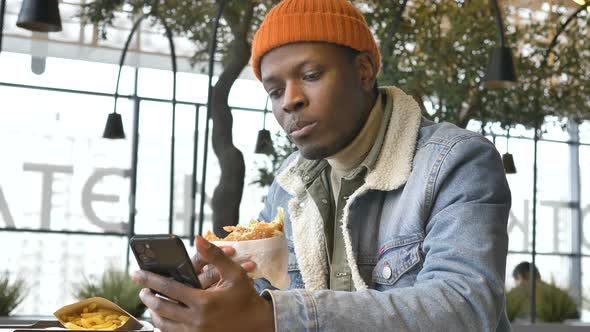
508,162
264,141
507,159
500,73
39,15
114,127
583,3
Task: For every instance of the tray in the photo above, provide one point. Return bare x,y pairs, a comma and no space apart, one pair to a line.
53,324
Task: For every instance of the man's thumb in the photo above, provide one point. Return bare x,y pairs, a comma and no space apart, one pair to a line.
215,256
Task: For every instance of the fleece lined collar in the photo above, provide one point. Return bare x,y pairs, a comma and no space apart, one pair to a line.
391,171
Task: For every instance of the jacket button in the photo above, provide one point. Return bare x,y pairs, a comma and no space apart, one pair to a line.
325,201
386,271
301,205
306,178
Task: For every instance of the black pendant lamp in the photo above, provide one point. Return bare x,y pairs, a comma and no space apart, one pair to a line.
39,15
264,141
114,127
507,159
500,73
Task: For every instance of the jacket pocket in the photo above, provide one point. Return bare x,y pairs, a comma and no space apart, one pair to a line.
293,270
396,259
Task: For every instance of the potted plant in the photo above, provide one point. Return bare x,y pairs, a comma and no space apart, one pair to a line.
11,293
115,286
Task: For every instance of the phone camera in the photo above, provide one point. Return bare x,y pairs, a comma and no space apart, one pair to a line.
150,253
144,258
140,248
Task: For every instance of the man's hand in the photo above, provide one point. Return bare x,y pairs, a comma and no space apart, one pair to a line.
208,274
232,304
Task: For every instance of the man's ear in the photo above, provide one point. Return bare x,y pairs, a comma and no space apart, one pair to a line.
366,70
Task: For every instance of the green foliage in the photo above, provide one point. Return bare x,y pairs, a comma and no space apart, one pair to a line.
11,293
283,148
115,286
553,304
440,51
189,19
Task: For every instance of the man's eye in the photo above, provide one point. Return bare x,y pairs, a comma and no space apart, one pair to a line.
312,76
275,93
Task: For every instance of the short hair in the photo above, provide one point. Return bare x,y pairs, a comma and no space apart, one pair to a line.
523,270
351,55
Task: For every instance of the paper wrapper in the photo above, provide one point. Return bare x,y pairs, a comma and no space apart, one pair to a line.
101,303
270,255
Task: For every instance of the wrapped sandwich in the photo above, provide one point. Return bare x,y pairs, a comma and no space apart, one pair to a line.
256,230
263,243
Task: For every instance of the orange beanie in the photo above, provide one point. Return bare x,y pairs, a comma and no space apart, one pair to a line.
330,21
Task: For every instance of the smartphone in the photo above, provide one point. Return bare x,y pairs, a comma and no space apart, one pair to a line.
164,254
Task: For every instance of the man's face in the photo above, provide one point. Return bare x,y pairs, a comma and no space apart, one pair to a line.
318,95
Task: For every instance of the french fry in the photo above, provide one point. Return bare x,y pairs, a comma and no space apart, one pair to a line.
93,318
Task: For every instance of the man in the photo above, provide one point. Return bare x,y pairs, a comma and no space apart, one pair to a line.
553,304
522,271
393,222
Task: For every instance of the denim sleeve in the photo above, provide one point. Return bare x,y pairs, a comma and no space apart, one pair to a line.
461,284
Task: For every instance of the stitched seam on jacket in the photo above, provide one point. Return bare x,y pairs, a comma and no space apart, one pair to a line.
414,254
433,176
308,298
413,238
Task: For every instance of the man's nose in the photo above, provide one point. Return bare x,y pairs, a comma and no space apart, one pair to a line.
294,98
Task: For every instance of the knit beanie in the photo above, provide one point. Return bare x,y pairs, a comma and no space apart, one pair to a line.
330,21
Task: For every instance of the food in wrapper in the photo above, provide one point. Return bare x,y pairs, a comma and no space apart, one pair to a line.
263,243
94,318
257,230
97,314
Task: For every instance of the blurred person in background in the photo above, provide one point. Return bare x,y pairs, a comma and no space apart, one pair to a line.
553,304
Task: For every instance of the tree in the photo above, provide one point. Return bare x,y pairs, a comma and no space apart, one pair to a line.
440,51
192,19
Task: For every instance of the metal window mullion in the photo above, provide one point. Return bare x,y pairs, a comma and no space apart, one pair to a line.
133,173
575,212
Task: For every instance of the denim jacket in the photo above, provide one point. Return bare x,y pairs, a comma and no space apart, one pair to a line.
425,235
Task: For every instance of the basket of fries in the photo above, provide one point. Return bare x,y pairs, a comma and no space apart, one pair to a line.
98,314
263,243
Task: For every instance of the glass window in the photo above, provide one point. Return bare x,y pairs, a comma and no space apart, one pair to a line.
584,128
61,173
554,213
67,74
554,129
521,187
52,265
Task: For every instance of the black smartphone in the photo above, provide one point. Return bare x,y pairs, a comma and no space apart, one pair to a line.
164,254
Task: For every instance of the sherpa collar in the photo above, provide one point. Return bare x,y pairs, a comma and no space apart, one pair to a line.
391,171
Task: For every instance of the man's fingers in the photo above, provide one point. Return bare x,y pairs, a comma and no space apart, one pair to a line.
208,277
215,256
248,266
163,324
163,285
162,307
199,263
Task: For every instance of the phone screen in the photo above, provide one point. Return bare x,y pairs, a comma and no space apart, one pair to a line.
164,255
